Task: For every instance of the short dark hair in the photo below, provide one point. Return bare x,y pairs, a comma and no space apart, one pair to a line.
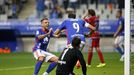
76,41
43,19
71,15
91,12
120,11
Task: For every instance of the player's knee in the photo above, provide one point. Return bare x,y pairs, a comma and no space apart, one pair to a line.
41,58
56,59
53,59
97,48
90,49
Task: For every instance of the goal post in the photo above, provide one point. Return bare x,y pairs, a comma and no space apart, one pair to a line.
127,38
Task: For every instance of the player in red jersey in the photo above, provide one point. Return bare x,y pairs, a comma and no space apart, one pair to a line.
94,36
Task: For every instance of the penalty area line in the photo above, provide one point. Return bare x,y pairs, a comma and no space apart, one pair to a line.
18,68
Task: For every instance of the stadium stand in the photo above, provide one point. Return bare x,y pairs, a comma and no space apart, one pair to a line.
26,9
10,9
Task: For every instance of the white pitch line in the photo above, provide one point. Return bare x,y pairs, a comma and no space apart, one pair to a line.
18,68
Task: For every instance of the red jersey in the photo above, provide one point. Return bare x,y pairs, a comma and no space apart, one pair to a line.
94,35
93,21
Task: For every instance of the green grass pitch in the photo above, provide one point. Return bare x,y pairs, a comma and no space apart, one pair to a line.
23,64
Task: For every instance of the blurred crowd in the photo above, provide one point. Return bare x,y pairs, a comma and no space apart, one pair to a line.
56,8
11,7
59,7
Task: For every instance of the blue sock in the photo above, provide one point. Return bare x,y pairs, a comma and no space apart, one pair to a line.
37,67
119,50
51,67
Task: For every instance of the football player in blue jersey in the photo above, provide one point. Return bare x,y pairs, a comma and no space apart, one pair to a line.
74,27
42,38
119,35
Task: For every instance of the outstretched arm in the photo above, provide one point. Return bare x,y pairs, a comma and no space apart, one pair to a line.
90,26
44,35
82,62
57,33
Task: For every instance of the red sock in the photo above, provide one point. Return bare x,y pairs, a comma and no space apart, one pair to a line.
90,55
100,55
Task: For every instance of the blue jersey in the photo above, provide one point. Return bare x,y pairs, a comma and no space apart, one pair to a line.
40,6
121,22
42,43
74,27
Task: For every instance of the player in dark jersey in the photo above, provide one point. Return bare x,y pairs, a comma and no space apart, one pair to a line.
69,58
94,36
42,38
119,35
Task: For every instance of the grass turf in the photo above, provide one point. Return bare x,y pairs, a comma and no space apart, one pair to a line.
23,64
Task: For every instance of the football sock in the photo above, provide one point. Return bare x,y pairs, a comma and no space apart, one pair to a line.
37,67
100,55
90,55
51,67
119,50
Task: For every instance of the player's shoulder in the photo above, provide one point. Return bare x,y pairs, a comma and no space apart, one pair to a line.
39,29
71,19
76,50
94,18
121,19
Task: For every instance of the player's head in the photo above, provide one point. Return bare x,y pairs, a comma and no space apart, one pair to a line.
91,12
71,15
76,42
119,13
45,23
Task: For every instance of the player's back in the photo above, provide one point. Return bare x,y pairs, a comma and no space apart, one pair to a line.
74,26
70,58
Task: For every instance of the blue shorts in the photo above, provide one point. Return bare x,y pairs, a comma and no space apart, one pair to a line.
82,37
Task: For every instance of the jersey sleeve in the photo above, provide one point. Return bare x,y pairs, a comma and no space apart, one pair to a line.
62,26
37,33
120,22
82,62
86,24
88,20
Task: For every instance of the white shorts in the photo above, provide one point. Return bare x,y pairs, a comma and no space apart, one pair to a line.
119,40
39,53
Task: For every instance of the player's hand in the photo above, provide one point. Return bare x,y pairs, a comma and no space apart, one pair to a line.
85,15
57,35
115,36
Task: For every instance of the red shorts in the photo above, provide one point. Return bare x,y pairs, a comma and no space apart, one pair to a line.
95,39
95,42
